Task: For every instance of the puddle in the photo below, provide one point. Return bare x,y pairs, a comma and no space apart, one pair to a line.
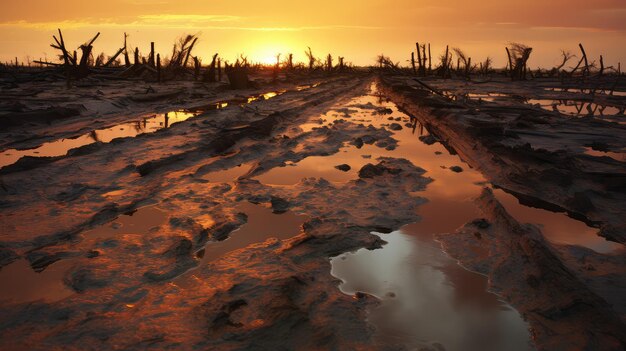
262,224
20,283
427,297
267,96
140,221
309,86
437,161
587,91
146,124
491,97
557,227
227,175
321,167
576,108
618,156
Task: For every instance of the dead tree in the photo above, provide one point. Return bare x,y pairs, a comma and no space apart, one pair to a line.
386,63
60,45
419,59
413,63
423,60
486,66
74,68
151,58
182,51
136,58
509,65
329,62
311,57
601,72
114,57
86,49
518,59
158,67
237,75
444,67
566,57
209,75
582,59
467,61
100,60
582,49
430,61
276,68
189,51
219,70
196,68
126,58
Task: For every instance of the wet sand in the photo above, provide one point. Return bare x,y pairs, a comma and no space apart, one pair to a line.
223,230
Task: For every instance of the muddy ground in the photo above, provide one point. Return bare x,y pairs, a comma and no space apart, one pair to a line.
191,216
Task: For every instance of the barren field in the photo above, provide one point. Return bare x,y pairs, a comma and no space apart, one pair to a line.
355,211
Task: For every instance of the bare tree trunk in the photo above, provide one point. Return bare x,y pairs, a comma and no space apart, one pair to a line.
196,68
126,58
219,70
209,75
189,52
446,63
419,58
112,59
582,49
152,63
329,61
430,61
601,65
508,53
158,67
424,61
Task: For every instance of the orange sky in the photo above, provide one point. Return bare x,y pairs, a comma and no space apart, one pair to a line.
358,30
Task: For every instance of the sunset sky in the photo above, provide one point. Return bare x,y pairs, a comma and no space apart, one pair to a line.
357,30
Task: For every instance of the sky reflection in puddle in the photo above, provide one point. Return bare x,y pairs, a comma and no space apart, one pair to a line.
262,224
20,283
427,297
148,124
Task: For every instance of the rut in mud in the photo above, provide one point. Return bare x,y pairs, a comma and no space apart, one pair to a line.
217,232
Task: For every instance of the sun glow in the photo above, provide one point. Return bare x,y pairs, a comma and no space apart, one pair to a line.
266,53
